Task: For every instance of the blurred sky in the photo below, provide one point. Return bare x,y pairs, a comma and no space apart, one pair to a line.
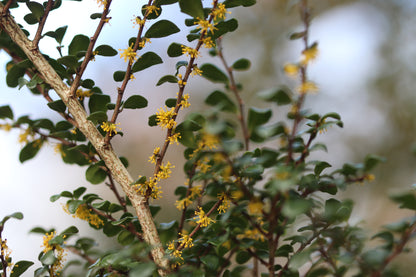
348,38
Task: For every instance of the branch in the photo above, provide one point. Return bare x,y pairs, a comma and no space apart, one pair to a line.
106,152
42,23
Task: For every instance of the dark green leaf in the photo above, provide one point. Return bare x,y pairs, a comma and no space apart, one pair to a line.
165,2
406,201
213,73
167,78
241,64
210,261
135,102
70,231
188,125
224,27
170,102
257,117
98,117
174,50
20,267
242,257
193,8
15,72
371,161
73,205
125,237
284,251
148,59
162,28
60,33
105,50
36,9
96,15
69,61
143,270
6,112
236,3
78,45
58,106
221,101
95,174
79,191
31,19
87,83
152,120
320,166
297,35
29,151
118,76
98,103
111,230
48,258
281,96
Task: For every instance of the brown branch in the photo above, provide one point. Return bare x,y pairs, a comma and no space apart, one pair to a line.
42,23
106,152
234,89
113,187
76,251
89,54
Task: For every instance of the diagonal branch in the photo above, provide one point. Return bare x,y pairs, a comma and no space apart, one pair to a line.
106,152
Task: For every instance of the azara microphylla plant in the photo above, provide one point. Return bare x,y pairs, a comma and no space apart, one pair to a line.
254,202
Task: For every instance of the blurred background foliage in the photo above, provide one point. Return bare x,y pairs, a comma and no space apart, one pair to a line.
365,71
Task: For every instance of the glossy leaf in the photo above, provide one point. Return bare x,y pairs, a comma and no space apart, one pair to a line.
78,45
118,76
6,112
162,28
20,267
224,27
213,73
174,50
29,151
193,8
148,59
36,9
98,103
105,50
48,258
135,102
167,78
95,174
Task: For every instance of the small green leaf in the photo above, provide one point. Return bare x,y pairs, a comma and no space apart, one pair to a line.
118,76
221,101
69,61
70,231
241,64
29,151
371,161
125,238
297,35
170,102
48,258
57,106
174,50
242,257
98,117
60,33
406,201
167,78
36,9
98,103
6,112
224,27
210,261
281,96
31,19
15,72
135,102
79,191
320,166
162,28
20,267
105,50
95,174
213,73
143,270
73,205
152,120
148,59
78,45
193,8
257,117
96,15
236,3
188,125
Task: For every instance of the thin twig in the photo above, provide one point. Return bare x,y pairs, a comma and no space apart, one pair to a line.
89,54
113,187
234,89
81,254
42,23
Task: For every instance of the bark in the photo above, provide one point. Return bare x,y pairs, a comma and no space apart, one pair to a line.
106,152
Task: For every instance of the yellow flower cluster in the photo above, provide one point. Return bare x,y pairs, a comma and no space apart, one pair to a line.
138,21
84,213
255,207
102,2
6,127
149,186
83,93
181,82
58,250
174,138
175,253
185,101
194,192
225,202
202,218
189,51
307,86
219,12
128,54
155,155
309,54
26,135
143,41
58,149
5,253
110,128
165,171
185,241
165,118
152,9
207,42
196,71
208,141
205,25
251,234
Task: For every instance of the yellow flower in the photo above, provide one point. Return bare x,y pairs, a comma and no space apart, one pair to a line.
58,251
255,207
5,253
155,155
83,93
165,119
208,43
165,171
219,12
186,241
138,21
307,86
6,127
202,218
225,202
237,194
208,141
203,165
369,177
149,185
110,128
26,136
128,54
183,203
58,149
102,2
309,54
184,102
175,253
181,82
84,213
205,25
151,9
189,51
291,69
174,138
252,234
195,191
196,71
143,42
